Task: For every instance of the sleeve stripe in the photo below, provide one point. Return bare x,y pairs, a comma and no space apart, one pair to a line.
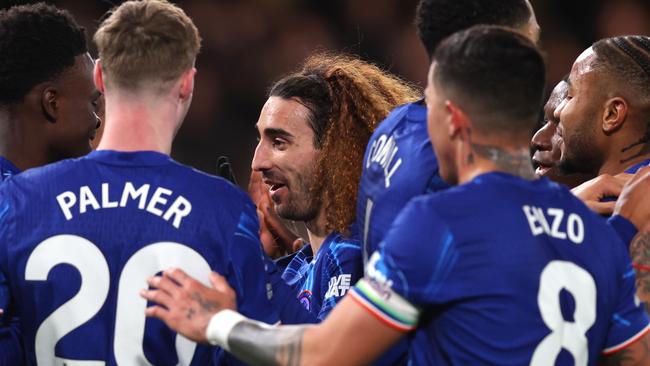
391,307
611,350
392,304
370,308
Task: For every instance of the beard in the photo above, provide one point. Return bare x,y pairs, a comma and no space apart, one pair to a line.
581,155
303,202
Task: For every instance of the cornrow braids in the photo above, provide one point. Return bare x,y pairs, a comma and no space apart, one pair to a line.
347,97
628,58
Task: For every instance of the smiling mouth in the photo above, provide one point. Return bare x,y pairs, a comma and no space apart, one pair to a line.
543,169
275,187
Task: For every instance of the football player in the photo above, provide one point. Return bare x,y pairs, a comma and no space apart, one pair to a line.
504,268
79,236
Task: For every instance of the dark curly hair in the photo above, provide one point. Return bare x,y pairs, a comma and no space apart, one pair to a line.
438,19
346,98
37,43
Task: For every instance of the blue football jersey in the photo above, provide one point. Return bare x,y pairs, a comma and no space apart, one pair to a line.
504,271
321,281
284,300
7,169
399,164
11,352
633,169
80,237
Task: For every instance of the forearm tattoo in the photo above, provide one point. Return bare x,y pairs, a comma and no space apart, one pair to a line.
640,253
258,344
517,164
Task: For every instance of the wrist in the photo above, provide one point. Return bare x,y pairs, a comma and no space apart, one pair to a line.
220,326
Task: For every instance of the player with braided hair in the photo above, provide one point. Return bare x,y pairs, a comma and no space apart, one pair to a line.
604,128
604,121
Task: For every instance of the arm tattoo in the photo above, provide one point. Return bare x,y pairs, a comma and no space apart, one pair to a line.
640,253
518,164
258,344
207,306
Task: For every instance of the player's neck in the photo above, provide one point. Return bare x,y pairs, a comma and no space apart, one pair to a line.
19,144
624,156
138,124
617,166
484,157
317,231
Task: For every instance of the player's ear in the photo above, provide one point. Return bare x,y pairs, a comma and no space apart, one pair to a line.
614,115
50,103
98,76
459,122
187,84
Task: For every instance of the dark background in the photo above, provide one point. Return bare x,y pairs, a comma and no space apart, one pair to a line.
249,43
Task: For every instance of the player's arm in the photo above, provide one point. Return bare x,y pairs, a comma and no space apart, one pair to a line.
202,314
636,354
640,253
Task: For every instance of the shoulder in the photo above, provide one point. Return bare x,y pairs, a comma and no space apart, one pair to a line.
398,118
35,178
213,187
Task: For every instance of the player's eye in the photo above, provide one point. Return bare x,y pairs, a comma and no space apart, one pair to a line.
278,143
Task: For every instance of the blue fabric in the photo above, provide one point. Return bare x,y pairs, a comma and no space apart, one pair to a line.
638,166
7,169
321,281
125,216
475,258
624,228
11,349
399,164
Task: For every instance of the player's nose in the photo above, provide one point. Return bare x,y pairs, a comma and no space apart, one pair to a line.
261,161
542,138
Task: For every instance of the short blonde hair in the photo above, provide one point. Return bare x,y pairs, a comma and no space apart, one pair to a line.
146,42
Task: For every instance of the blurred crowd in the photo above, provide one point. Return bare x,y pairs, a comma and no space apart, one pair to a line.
249,43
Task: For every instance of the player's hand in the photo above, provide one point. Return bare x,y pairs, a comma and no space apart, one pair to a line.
634,201
185,304
593,191
277,239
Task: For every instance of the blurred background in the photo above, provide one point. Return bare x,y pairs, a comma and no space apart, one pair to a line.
247,44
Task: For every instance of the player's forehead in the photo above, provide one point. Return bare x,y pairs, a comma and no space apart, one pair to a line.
284,114
583,66
557,95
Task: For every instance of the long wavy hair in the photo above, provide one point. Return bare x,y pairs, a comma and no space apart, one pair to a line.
347,98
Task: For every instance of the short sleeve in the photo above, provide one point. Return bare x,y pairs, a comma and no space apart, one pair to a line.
624,228
411,269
